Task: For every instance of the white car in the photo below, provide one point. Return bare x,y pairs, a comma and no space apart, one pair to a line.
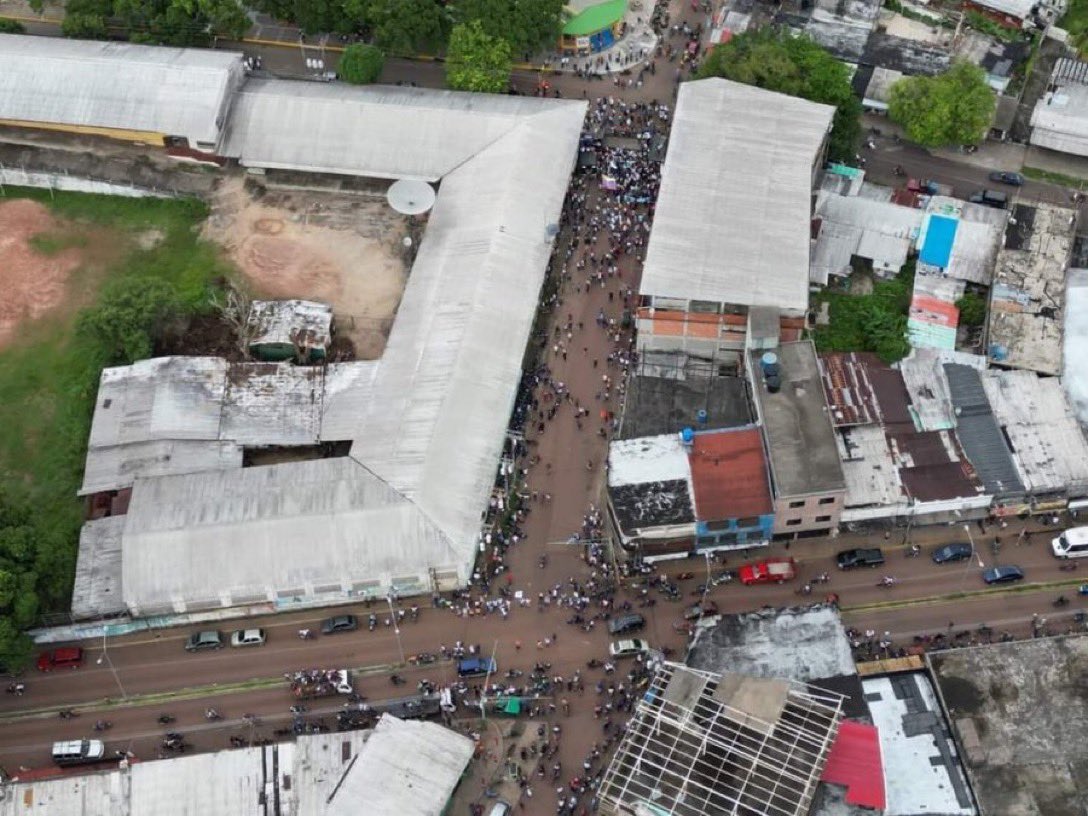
627,648
247,637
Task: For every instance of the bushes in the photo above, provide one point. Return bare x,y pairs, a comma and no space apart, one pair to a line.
875,322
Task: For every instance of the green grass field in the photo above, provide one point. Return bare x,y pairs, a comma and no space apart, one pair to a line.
49,375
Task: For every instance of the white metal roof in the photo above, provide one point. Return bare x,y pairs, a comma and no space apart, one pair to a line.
1048,444
1060,120
731,223
160,398
172,91
878,230
224,538
407,768
428,419
379,131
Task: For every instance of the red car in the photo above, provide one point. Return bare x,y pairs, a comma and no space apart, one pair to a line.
769,570
70,657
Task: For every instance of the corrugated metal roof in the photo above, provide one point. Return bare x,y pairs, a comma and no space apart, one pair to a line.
1020,9
1048,443
294,526
428,420
173,91
731,223
729,475
406,767
847,388
979,433
875,229
119,466
97,588
379,131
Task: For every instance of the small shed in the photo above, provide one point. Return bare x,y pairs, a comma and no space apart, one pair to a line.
297,330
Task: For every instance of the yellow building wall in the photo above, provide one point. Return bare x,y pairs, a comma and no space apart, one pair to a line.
144,136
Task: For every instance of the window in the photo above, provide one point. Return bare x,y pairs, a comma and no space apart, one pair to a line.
822,519
827,500
792,522
751,521
799,503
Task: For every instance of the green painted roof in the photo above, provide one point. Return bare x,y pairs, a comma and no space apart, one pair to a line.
595,18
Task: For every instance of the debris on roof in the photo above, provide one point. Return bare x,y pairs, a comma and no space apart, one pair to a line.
289,329
702,742
1027,301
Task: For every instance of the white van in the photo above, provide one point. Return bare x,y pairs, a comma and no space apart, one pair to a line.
1073,543
76,752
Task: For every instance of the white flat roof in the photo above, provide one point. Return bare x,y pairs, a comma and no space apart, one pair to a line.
647,459
731,223
172,91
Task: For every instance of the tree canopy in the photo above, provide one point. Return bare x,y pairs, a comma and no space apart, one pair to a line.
528,25
166,22
953,108
360,64
478,61
403,26
779,61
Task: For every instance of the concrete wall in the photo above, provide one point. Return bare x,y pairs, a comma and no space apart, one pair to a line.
809,514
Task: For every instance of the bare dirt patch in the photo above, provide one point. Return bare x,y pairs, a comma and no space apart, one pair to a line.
33,283
340,249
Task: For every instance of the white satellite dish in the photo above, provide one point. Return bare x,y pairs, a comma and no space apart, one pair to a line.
410,197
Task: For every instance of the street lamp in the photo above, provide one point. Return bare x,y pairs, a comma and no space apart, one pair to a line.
396,626
974,556
106,657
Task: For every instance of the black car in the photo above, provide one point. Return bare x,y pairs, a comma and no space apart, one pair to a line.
340,623
1013,179
960,551
869,557
1003,575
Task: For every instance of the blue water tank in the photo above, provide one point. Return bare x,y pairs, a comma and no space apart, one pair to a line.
702,416
687,435
769,363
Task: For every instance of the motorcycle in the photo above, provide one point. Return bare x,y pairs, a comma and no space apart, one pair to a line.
211,715
397,680
67,714
1069,566
305,634
102,725
887,582
166,719
371,623
1060,601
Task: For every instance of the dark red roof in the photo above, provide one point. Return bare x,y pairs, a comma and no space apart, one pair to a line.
849,393
855,763
729,475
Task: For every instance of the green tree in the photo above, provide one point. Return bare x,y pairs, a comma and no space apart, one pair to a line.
972,308
403,26
954,108
528,25
477,61
12,27
312,16
130,316
778,61
361,64
82,26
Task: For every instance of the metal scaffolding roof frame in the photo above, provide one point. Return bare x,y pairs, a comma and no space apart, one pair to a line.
678,756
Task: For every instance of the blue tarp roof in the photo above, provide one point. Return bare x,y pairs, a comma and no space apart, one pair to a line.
940,233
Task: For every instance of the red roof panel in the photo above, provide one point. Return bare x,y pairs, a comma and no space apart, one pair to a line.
729,475
855,763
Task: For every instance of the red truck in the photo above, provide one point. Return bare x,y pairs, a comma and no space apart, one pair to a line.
769,570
